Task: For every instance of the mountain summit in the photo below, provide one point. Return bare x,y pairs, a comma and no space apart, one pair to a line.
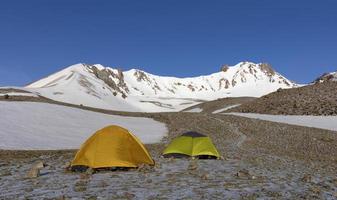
327,77
136,90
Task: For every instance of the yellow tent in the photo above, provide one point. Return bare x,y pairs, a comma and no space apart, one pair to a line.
191,144
112,146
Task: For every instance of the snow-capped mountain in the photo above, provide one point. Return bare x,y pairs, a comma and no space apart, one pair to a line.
136,90
327,77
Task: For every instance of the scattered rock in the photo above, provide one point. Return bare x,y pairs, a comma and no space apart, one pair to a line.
90,171
67,166
129,195
313,99
34,172
192,165
80,186
30,189
335,194
84,176
253,177
157,166
244,173
149,181
4,163
62,197
5,172
205,176
39,164
36,183
92,198
102,184
306,178
145,168
315,190
274,194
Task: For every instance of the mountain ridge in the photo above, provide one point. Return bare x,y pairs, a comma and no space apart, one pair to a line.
90,84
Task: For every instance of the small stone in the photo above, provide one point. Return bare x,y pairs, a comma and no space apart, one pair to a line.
29,189
157,166
61,198
205,176
80,186
84,176
192,166
149,181
36,183
315,190
67,165
33,173
103,184
243,173
90,171
5,173
129,195
39,164
144,168
335,194
306,178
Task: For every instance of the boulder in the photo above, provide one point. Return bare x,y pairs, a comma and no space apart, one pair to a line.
39,164
34,171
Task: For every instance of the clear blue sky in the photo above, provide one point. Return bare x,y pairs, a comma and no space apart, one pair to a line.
173,37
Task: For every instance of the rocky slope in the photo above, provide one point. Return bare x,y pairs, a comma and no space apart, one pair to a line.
315,99
327,77
136,90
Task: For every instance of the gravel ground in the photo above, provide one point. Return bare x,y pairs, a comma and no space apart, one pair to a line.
260,160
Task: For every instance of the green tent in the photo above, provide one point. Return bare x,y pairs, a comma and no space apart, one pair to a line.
191,144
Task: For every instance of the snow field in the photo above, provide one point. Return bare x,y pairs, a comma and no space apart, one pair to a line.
37,126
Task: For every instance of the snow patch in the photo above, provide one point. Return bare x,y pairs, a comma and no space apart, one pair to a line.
36,126
225,108
20,94
194,110
322,122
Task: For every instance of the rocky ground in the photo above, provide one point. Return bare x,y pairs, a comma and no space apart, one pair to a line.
315,99
261,159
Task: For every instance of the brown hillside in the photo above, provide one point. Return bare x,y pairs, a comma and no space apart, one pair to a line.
316,99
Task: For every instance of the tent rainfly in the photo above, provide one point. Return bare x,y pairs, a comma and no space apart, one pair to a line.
112,146
191,144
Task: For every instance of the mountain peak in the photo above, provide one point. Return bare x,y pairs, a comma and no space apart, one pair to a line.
95,84
327,77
